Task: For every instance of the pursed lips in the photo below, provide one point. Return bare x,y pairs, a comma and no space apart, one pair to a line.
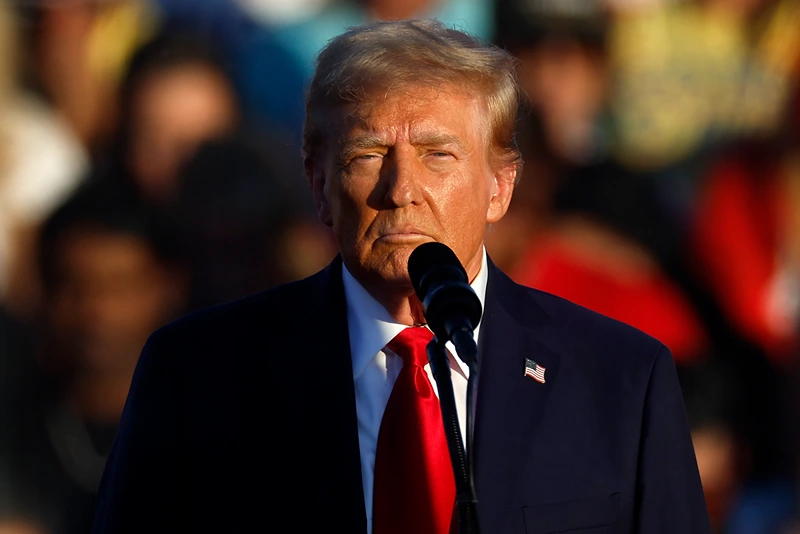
403,233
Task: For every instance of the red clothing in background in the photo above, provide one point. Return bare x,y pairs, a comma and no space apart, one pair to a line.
737,241
648,301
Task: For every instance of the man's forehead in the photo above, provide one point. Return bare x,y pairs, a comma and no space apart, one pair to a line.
411,97
417,116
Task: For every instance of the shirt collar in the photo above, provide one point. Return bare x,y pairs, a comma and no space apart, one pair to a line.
370,326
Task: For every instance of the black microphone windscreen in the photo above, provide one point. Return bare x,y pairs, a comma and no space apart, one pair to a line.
429,258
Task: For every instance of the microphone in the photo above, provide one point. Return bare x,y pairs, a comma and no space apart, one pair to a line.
452,310
451,307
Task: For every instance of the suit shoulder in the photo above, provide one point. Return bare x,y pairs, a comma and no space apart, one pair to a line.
269,309
580,326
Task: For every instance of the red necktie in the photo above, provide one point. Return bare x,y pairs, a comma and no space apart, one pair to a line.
414,484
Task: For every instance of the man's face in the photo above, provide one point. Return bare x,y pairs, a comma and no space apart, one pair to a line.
409,168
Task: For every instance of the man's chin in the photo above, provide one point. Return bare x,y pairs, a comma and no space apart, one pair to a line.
390,271
386,264
395,276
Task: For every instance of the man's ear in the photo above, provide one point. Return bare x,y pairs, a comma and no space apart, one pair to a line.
504,181
319,189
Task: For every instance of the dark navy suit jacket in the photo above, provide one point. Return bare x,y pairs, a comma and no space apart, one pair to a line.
241,418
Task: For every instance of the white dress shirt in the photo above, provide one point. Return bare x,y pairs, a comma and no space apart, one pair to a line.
375,369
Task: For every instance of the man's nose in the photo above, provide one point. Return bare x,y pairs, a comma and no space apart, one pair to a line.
402,179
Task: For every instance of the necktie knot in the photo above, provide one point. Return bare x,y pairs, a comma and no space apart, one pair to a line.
410,345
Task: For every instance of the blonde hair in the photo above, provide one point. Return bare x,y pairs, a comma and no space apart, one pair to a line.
387,55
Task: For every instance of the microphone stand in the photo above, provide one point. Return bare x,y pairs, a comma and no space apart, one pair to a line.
466,500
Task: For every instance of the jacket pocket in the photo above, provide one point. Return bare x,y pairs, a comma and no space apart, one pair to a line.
598,515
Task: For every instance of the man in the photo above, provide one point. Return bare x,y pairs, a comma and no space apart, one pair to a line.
271,413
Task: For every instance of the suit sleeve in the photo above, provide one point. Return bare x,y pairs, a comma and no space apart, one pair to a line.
139,492
669,494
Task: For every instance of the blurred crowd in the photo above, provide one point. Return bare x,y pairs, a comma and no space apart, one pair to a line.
150,165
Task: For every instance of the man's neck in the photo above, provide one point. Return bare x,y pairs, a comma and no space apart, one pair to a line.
401,304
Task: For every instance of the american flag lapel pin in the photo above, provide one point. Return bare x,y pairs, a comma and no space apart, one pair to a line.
534,370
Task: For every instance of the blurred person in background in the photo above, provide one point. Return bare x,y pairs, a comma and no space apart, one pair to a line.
175,96
746,237
710,393
564,73
41,163
239,229
76,54
110,277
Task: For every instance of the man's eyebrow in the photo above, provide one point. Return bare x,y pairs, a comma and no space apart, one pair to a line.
360,142
437,139
364,141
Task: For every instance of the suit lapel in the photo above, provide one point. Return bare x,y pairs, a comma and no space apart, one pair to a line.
331,407
510,405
